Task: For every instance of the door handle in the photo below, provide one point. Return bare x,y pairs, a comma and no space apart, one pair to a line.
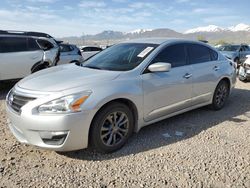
187,76
216,68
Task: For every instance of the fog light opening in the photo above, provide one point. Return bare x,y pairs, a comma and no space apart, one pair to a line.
53,138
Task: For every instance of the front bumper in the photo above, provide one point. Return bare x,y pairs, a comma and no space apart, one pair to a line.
32,128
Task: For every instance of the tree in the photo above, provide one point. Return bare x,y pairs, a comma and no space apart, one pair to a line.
221,42
201,38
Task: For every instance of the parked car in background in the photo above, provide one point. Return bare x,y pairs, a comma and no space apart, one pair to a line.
70,54
244,70
89,51
117,92
236,53
23,53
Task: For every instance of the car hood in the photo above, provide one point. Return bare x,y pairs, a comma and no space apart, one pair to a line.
228,53
65,77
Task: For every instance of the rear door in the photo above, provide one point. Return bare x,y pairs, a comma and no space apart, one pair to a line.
50,51
66,54
205,72
16,58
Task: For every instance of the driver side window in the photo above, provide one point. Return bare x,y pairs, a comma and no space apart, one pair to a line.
175,55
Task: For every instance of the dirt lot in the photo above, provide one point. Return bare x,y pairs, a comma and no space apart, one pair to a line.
201,148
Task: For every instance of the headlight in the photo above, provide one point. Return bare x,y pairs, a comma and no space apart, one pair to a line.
68,104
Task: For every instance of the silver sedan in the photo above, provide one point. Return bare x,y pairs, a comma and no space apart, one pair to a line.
115,93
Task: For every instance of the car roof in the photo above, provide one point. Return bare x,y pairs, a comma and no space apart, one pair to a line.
25,33
161,40
25,36
32,34
89,46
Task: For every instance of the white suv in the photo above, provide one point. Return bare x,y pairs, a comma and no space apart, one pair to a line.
22,53
89,51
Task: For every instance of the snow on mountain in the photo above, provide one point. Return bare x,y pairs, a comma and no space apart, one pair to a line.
240,27
214,28
210,28
139,31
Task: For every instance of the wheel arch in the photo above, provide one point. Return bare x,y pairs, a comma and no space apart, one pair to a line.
37,65
129,103
227,80
74,61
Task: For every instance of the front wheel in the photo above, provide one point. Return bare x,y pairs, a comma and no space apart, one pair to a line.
111,128
220,95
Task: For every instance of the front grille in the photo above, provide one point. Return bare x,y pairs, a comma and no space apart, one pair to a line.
17,101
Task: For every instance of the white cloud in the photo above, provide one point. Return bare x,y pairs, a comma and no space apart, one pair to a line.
183,1
42,1
141,5
202,10
120,1
177,21
92,4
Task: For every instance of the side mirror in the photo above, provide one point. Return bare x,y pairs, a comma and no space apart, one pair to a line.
159,67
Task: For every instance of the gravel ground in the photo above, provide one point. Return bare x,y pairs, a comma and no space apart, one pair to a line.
201,148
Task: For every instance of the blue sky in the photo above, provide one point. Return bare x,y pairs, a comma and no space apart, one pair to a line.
77,17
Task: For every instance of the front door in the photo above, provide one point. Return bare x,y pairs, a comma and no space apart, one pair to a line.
168,92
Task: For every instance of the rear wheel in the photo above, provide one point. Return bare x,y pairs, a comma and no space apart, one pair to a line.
220,95
111,128
41,67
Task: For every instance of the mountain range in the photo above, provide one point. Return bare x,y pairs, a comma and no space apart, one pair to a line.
236,34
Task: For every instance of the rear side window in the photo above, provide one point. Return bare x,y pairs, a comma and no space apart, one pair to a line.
32,44
175,55
65,48
245,48
95,49
44,44
13,44
91,49
198,53
214,55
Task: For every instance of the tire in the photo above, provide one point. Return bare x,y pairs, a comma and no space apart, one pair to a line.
40,67
242,79
221,94
105,135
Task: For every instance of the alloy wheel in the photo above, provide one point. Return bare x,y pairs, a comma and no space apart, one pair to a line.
221,95
115,128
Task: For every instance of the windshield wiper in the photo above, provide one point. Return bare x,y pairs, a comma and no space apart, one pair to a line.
92,67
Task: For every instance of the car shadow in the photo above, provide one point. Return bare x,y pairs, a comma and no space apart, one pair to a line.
175,129
5,87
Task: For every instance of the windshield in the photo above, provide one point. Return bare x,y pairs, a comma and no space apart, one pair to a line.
229,48
120,57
